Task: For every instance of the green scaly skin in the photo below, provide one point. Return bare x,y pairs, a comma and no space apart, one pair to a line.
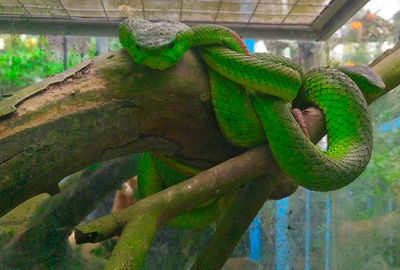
252,97
347,119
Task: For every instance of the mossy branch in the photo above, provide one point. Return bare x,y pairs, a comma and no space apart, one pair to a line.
114,108
169,203
273,185
42,237
219,180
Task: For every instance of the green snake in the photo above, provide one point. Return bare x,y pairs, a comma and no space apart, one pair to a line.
252,96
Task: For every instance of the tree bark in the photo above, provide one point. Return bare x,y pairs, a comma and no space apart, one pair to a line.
113,108
41,238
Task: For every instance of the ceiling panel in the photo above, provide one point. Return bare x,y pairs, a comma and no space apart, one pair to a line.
84,9
12,7
307,19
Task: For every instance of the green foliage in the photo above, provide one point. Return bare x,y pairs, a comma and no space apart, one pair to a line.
359,53
75,58
23,63
29,60
366,211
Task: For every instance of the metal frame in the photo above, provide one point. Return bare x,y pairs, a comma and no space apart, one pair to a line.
329,20
23,6
65,10
335,15
254,11
218,10
290,12
104,10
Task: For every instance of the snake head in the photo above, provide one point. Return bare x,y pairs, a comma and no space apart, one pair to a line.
155,45
370,84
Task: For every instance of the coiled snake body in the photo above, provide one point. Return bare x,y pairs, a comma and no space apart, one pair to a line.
252,96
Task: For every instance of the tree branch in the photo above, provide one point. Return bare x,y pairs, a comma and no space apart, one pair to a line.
220,180
35,241
273,185
114,108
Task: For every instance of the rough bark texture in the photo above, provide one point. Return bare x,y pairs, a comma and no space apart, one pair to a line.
34,241
113,109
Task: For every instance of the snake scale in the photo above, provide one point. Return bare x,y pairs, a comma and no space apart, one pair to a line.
252,96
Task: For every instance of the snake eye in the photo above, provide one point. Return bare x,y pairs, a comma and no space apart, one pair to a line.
171,45
138,47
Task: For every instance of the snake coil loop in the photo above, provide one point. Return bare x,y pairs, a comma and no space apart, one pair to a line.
252,96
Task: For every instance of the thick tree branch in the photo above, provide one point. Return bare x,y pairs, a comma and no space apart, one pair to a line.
169,203
35,240
87,115
219,180
273,185
114,108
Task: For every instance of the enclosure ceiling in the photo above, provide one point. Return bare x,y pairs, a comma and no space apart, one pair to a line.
268,19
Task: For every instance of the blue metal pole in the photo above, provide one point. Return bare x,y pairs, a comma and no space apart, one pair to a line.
250,44
307,229
255,243
281,231
328,231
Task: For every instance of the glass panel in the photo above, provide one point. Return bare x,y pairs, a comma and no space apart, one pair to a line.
89,8
273,9
159,10
41,3
263,18
298,19
11,7
237,7
165,5
230,17
193,5
366,213
304,9
315,2
235,11
279,2
197,16
252,2
162,15
47,12
45,8
123,8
